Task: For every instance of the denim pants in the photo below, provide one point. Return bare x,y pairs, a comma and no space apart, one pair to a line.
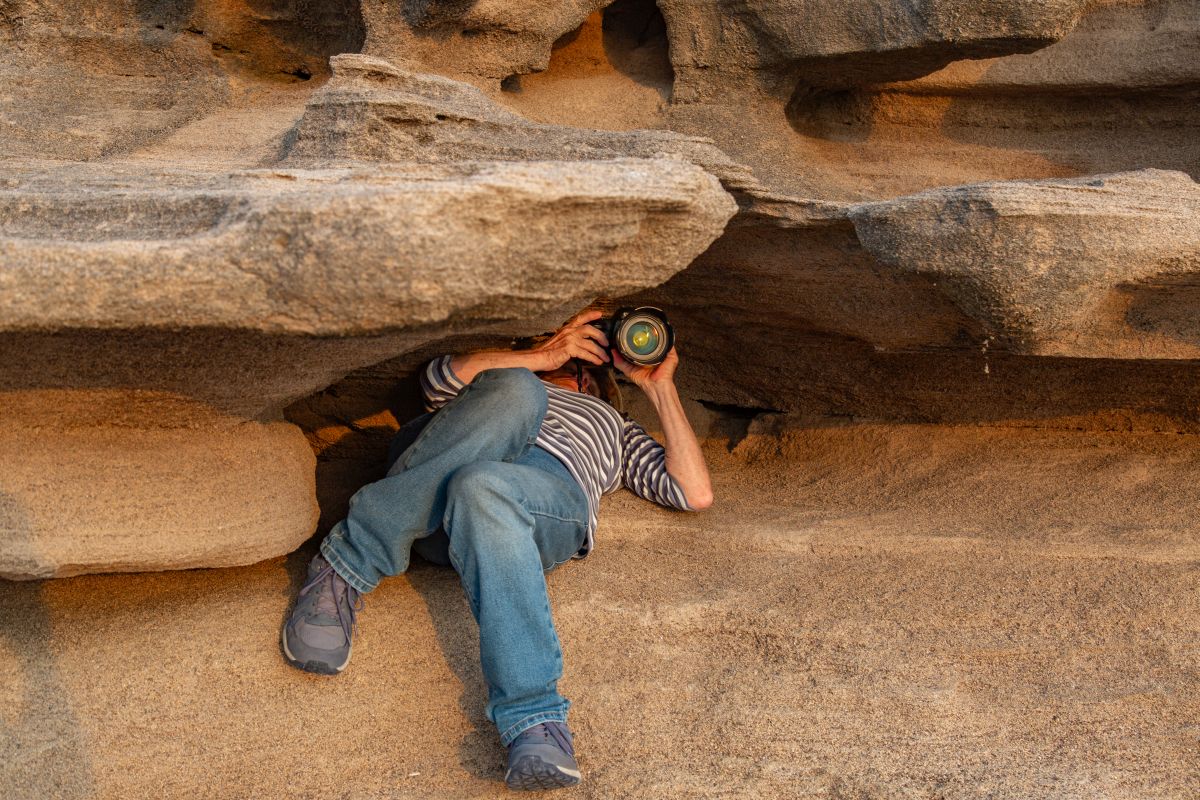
511,511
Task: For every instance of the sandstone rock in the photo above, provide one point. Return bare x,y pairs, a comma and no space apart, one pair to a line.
87,84
490,39
1143,46
1116,93
182,487
377,110
1054,267
374,110
840,45
347,251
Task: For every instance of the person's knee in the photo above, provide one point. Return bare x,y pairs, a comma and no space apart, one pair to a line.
477,487
515,387
482,508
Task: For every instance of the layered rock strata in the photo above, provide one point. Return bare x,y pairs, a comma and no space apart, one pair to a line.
918,236
158,325
232,230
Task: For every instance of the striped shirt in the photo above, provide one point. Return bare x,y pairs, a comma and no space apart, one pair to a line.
602,449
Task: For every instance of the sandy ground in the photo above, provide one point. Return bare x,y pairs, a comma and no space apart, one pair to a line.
868,612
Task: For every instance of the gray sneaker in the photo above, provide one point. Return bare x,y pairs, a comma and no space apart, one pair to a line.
317,636
542,757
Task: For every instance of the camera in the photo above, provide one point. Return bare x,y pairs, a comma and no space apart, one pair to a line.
642,335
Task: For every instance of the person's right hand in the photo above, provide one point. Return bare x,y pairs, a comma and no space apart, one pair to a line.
576,339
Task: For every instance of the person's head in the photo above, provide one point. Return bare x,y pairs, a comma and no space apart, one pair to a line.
568,376
596,381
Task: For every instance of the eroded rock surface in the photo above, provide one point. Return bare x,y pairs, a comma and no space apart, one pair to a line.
269,212
230,231
345,251
835,45
1053,267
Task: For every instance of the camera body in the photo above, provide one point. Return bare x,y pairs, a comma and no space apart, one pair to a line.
642,335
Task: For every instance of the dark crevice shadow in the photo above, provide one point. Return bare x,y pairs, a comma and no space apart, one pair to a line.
269,38
43,752
636,44
1163,306
434,14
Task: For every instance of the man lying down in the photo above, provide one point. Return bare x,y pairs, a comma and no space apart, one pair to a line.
502,479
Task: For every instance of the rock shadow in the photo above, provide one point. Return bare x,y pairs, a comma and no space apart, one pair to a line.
43,751
270,38
634,36
439,588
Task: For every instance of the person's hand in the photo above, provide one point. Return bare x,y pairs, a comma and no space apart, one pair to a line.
576,339
648,378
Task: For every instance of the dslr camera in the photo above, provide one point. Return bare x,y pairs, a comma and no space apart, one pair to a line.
641,335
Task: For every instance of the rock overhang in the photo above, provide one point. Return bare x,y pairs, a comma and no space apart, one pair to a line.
348,251
193,304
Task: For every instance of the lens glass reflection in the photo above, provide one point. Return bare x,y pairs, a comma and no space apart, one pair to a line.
642,337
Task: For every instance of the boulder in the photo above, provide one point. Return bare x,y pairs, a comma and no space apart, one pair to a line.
344,251
375,110
845,44
89,487
487,40
1069,268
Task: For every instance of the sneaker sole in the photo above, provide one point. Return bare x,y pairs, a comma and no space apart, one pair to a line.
315,667
532,774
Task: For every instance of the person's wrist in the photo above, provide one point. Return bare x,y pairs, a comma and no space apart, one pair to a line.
539,361
659,390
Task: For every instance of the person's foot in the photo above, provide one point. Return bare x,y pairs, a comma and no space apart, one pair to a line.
317,636
542,757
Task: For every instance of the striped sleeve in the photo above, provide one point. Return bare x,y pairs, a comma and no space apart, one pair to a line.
644,468
439,384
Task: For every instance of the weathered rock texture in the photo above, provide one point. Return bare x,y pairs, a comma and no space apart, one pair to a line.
828,629
1070,268
846,44
227,226
267,210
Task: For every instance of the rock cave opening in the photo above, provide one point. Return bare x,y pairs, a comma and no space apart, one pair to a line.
635,41
613,72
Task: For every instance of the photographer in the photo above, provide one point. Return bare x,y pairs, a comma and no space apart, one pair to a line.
504,483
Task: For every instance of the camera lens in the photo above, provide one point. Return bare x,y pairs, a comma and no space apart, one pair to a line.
644,336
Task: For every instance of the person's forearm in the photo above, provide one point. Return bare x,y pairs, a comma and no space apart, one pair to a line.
467,365
685,462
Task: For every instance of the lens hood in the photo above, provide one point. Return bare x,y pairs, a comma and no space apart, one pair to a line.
642,335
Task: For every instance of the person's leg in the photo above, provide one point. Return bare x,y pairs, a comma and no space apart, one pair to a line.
434,548
405,438
508,524
495,418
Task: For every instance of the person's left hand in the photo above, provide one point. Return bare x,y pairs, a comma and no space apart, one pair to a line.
647,378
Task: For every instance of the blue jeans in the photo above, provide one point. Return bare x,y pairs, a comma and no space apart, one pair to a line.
511,511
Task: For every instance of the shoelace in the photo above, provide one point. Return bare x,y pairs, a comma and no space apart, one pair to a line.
328,603
556,732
